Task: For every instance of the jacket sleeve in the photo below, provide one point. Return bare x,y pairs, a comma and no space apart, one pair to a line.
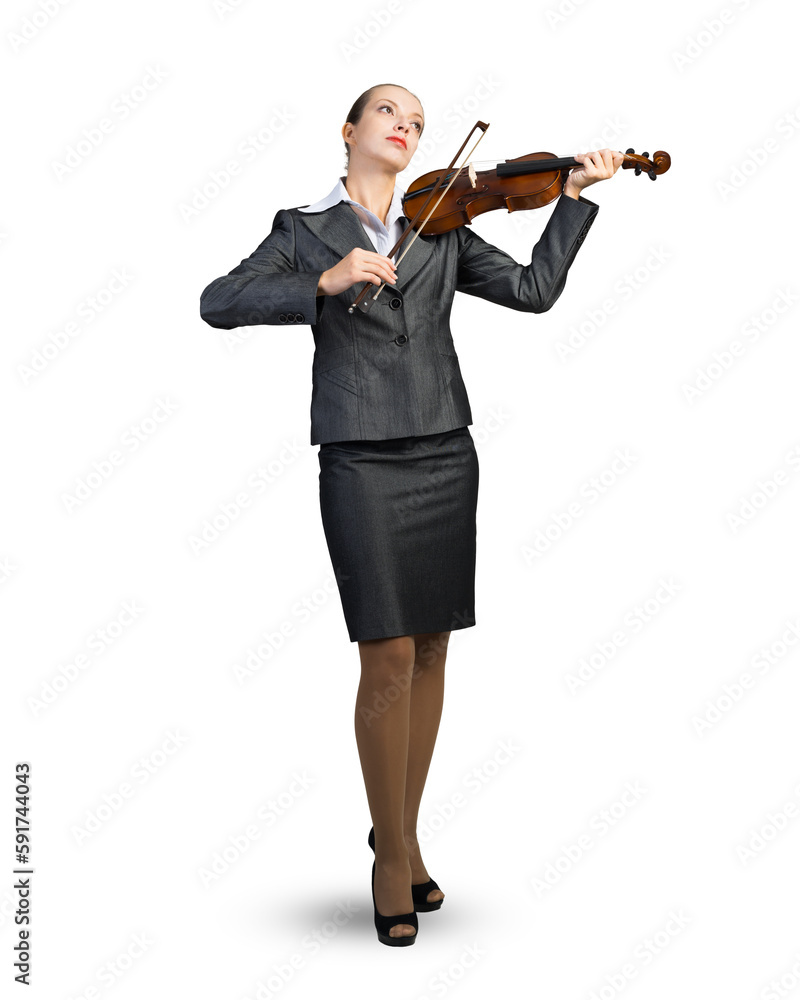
265,287
492,274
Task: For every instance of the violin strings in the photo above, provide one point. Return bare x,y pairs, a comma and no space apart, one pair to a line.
416,233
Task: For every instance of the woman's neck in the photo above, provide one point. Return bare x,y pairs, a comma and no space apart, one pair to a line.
373,191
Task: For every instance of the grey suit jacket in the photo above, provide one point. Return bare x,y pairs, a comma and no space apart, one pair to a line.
393,371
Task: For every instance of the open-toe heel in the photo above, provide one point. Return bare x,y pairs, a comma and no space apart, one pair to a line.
384,924
420,891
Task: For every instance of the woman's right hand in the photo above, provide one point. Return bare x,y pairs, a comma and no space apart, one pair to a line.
359,265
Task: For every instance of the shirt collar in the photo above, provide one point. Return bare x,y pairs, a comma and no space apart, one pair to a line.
339,193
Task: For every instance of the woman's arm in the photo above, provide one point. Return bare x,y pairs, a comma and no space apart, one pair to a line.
265,287
490,273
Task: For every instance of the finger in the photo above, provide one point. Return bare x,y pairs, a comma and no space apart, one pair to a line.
379,277
605,163
383,272
379,266
383,262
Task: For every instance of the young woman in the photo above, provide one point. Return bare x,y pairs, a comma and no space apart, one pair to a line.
398,469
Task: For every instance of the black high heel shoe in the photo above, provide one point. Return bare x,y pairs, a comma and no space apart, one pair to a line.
384,924
420,890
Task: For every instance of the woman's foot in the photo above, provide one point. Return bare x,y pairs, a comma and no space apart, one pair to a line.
419,873
393,893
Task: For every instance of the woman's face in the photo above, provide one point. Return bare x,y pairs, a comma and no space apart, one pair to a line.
391,111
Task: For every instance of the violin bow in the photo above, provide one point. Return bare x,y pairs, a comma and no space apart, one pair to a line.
364,303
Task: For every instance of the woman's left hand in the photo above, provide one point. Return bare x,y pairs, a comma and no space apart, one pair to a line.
597,166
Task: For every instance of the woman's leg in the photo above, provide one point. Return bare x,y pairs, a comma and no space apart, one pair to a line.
382,731
427,696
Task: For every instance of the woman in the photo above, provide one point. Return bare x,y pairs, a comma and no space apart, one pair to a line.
398,468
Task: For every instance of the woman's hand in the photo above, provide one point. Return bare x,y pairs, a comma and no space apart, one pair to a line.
358,265
597,166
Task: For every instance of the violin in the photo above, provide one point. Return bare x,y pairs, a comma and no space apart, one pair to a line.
525,182
519,184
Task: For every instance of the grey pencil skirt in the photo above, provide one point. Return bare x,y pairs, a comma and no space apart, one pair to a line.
399,521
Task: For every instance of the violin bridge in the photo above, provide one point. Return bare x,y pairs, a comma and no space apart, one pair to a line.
472,176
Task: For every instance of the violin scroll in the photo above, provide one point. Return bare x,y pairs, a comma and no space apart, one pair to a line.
658,165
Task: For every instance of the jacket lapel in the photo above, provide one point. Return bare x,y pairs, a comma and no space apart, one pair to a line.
340,229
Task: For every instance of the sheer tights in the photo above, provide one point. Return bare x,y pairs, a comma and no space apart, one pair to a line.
398,708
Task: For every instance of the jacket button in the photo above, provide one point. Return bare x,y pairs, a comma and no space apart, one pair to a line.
299,317
282,317
396,303
400,339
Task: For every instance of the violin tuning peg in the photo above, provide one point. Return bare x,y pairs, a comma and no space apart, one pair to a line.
637,169
646,156
651,174
629,151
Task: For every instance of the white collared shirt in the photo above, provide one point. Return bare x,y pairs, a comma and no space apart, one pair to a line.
383,237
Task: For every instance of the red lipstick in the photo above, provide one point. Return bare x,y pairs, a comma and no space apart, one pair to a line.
396,138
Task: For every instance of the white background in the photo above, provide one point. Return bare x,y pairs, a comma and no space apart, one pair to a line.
703,252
